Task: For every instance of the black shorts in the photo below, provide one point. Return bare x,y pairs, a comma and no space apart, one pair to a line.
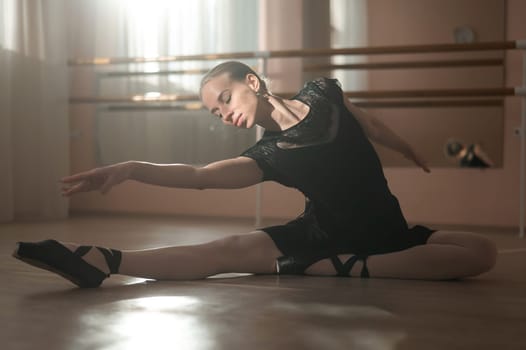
304,240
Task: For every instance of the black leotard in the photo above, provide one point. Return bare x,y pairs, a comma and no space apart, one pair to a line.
328,158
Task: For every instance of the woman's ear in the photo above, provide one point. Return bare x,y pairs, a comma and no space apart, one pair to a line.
253,82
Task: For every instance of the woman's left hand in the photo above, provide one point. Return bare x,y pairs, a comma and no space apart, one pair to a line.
418,160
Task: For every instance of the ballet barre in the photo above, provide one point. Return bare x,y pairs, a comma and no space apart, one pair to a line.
304,53
361,104
319,67
379,94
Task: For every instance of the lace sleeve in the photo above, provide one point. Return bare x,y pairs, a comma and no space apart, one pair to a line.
262,153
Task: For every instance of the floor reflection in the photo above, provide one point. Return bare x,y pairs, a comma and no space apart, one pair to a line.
160,322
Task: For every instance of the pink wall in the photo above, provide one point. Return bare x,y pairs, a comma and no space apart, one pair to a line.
446,196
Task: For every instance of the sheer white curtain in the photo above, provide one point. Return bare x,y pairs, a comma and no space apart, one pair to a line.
125,28
349,24
34,135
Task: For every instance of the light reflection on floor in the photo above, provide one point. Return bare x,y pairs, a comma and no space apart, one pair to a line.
186,322
160,322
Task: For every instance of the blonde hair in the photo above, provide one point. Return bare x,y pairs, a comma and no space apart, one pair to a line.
236,71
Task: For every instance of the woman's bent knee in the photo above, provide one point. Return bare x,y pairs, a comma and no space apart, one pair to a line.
481,251
486,252
483,254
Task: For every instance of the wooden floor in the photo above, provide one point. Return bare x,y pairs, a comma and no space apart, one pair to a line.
42,311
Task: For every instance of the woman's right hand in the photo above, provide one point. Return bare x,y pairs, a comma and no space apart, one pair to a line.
101,179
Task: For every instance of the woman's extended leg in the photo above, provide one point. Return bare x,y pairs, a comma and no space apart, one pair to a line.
446,255
253,253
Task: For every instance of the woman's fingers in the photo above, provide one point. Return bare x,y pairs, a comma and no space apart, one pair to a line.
83,182
426,168
78,177
423,165
102,179
80,187
418,160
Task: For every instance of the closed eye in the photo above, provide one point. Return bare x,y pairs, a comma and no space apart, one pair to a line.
226,97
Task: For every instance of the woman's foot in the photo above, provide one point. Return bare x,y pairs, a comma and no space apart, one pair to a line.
85,266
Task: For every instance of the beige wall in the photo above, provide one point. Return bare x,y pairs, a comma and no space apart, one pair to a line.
446,196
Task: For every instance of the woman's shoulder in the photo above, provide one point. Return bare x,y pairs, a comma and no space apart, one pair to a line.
325,83
327,86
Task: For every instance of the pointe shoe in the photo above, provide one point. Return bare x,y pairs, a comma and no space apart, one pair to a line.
53,256
290,265
344,269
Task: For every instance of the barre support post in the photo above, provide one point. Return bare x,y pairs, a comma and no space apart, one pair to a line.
259,134
522,177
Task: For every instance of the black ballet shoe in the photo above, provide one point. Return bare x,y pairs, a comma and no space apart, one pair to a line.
290,265
344,270
53,256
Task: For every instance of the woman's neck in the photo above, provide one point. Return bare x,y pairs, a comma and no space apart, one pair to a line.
284,113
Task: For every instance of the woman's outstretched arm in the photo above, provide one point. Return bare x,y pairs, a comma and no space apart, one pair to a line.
380,133
230,173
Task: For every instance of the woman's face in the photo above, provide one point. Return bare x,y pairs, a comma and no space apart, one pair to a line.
235,102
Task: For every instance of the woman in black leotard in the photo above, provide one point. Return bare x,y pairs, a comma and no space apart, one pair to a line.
317,142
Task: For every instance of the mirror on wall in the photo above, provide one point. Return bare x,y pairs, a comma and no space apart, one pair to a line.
413,22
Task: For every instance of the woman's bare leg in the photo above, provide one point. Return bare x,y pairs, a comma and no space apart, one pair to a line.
253,253
447,255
